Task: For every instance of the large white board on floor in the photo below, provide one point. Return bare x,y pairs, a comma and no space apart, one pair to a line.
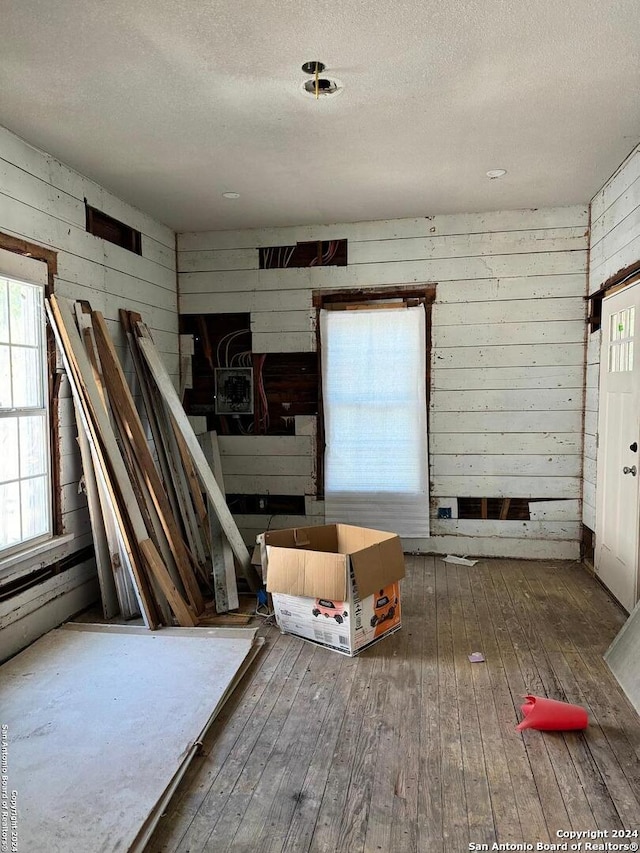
623,657
99,722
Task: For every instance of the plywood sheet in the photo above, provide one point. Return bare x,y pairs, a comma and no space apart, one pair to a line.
100,721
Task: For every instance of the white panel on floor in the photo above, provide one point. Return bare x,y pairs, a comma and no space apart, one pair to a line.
99,722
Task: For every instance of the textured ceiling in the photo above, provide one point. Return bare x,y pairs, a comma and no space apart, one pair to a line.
170,103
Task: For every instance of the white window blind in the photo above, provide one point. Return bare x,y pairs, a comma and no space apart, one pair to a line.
374,398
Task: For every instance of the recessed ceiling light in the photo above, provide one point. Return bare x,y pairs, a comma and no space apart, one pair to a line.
496,173
230,195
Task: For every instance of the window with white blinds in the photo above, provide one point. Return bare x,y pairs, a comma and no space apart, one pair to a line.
375,418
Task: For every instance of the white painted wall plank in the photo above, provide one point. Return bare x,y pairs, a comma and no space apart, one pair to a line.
276,466
592,376
624,257
282,322
464,223
506,529
506,487
408,248
507,465
533,399
465,291
510,287
516,443
492,546
589,496
591,423
609,233
506,334
213,260
254,484
594,342
591,399
264,445
287,342
508,378
624,177
466,245
499,422
510,355
509,311
554,510
239,301
589,516
590,450
40,194
589,470
372,275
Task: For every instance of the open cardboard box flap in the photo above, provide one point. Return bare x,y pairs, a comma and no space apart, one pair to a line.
378,565
314,561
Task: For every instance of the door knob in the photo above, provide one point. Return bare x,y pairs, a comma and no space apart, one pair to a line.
634,447
631,470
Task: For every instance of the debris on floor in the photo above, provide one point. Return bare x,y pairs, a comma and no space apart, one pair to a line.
458,561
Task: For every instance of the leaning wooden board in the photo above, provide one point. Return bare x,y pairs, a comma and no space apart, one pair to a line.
170,396
118,390
97,424
226,591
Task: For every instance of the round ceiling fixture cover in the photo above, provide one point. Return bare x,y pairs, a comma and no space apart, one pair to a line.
312,67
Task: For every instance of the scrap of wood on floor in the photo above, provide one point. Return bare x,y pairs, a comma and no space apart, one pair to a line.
166,543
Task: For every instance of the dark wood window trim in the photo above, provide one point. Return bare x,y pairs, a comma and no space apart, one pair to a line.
50,258
409,295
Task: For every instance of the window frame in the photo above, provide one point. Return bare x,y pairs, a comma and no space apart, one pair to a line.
52,382
412,295
42,411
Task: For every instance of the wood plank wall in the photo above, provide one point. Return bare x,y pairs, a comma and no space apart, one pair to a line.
508,357
42,201
614,245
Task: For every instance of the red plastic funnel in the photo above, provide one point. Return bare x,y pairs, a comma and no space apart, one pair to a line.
551,715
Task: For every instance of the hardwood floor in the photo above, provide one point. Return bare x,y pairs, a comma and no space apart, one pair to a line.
410,747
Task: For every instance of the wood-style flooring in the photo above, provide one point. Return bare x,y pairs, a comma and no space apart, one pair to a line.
410,748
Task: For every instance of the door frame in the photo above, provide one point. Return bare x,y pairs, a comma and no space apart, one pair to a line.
614,288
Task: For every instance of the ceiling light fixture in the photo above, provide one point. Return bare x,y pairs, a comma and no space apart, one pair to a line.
230,195
319,86
492,174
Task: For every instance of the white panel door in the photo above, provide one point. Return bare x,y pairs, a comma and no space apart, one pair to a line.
617,518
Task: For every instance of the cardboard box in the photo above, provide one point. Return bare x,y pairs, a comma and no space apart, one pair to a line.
335,585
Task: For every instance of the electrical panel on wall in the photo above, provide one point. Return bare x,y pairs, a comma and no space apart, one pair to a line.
241,392
234,391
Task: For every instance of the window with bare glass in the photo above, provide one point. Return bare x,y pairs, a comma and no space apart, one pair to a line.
25,489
